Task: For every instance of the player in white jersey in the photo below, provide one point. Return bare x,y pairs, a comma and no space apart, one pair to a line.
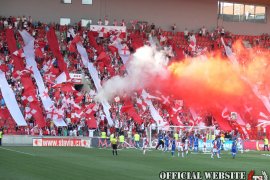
240,144
215,149
145,144
186,146
180,147
204,142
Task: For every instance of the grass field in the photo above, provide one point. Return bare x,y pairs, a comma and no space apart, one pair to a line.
27,163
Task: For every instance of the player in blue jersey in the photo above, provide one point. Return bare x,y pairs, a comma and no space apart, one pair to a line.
166,139
191,141
196,143
173,146
160,140
234,148
219,145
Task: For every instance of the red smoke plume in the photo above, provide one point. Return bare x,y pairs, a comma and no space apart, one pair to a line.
214,83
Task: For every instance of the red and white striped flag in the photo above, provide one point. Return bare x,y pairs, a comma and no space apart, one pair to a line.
19,53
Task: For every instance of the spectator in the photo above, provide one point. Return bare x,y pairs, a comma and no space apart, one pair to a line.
186,33
153,29
115,22
174,28
99,22
106,21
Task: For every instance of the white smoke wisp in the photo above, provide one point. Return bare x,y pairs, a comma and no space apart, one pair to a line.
146,64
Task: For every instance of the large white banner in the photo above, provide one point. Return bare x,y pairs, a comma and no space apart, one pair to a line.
10,101
61,78
29,52
83,54
94,75
108,28
154,113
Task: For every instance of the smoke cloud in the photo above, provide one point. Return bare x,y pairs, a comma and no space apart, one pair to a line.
143,68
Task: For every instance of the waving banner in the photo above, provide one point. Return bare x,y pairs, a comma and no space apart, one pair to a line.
10,101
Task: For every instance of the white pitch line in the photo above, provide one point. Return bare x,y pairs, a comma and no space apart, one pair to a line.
17,151
109,149
265,154
201,153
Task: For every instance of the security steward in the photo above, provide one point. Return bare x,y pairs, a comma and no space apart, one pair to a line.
1,135
122,140
265,144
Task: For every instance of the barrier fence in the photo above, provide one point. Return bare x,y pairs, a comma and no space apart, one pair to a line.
96,142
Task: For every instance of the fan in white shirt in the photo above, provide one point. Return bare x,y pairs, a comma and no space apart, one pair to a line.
203,31
106,22
186,32
99,22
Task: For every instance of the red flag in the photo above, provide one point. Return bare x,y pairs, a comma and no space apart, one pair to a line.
91,122
38,53
76,39
4,67
111,70
54,71
179,54
122,35
67,88
127,105
137,44
17,61
92,40
78,99
113,49
53,43
223,123
4,114
27,83
38,116
102,56
135,115
126,108
41,43
72,48
129,108
19,53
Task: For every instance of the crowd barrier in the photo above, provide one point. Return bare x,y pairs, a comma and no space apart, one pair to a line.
24,140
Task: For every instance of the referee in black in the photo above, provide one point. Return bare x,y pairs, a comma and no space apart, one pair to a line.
114,145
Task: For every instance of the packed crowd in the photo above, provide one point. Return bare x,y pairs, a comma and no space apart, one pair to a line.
76,105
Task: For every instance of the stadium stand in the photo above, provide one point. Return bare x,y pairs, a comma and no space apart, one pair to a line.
57,54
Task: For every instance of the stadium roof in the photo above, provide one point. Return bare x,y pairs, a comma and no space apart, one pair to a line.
263,2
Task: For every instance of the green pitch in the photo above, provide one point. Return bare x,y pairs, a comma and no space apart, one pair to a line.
27,163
